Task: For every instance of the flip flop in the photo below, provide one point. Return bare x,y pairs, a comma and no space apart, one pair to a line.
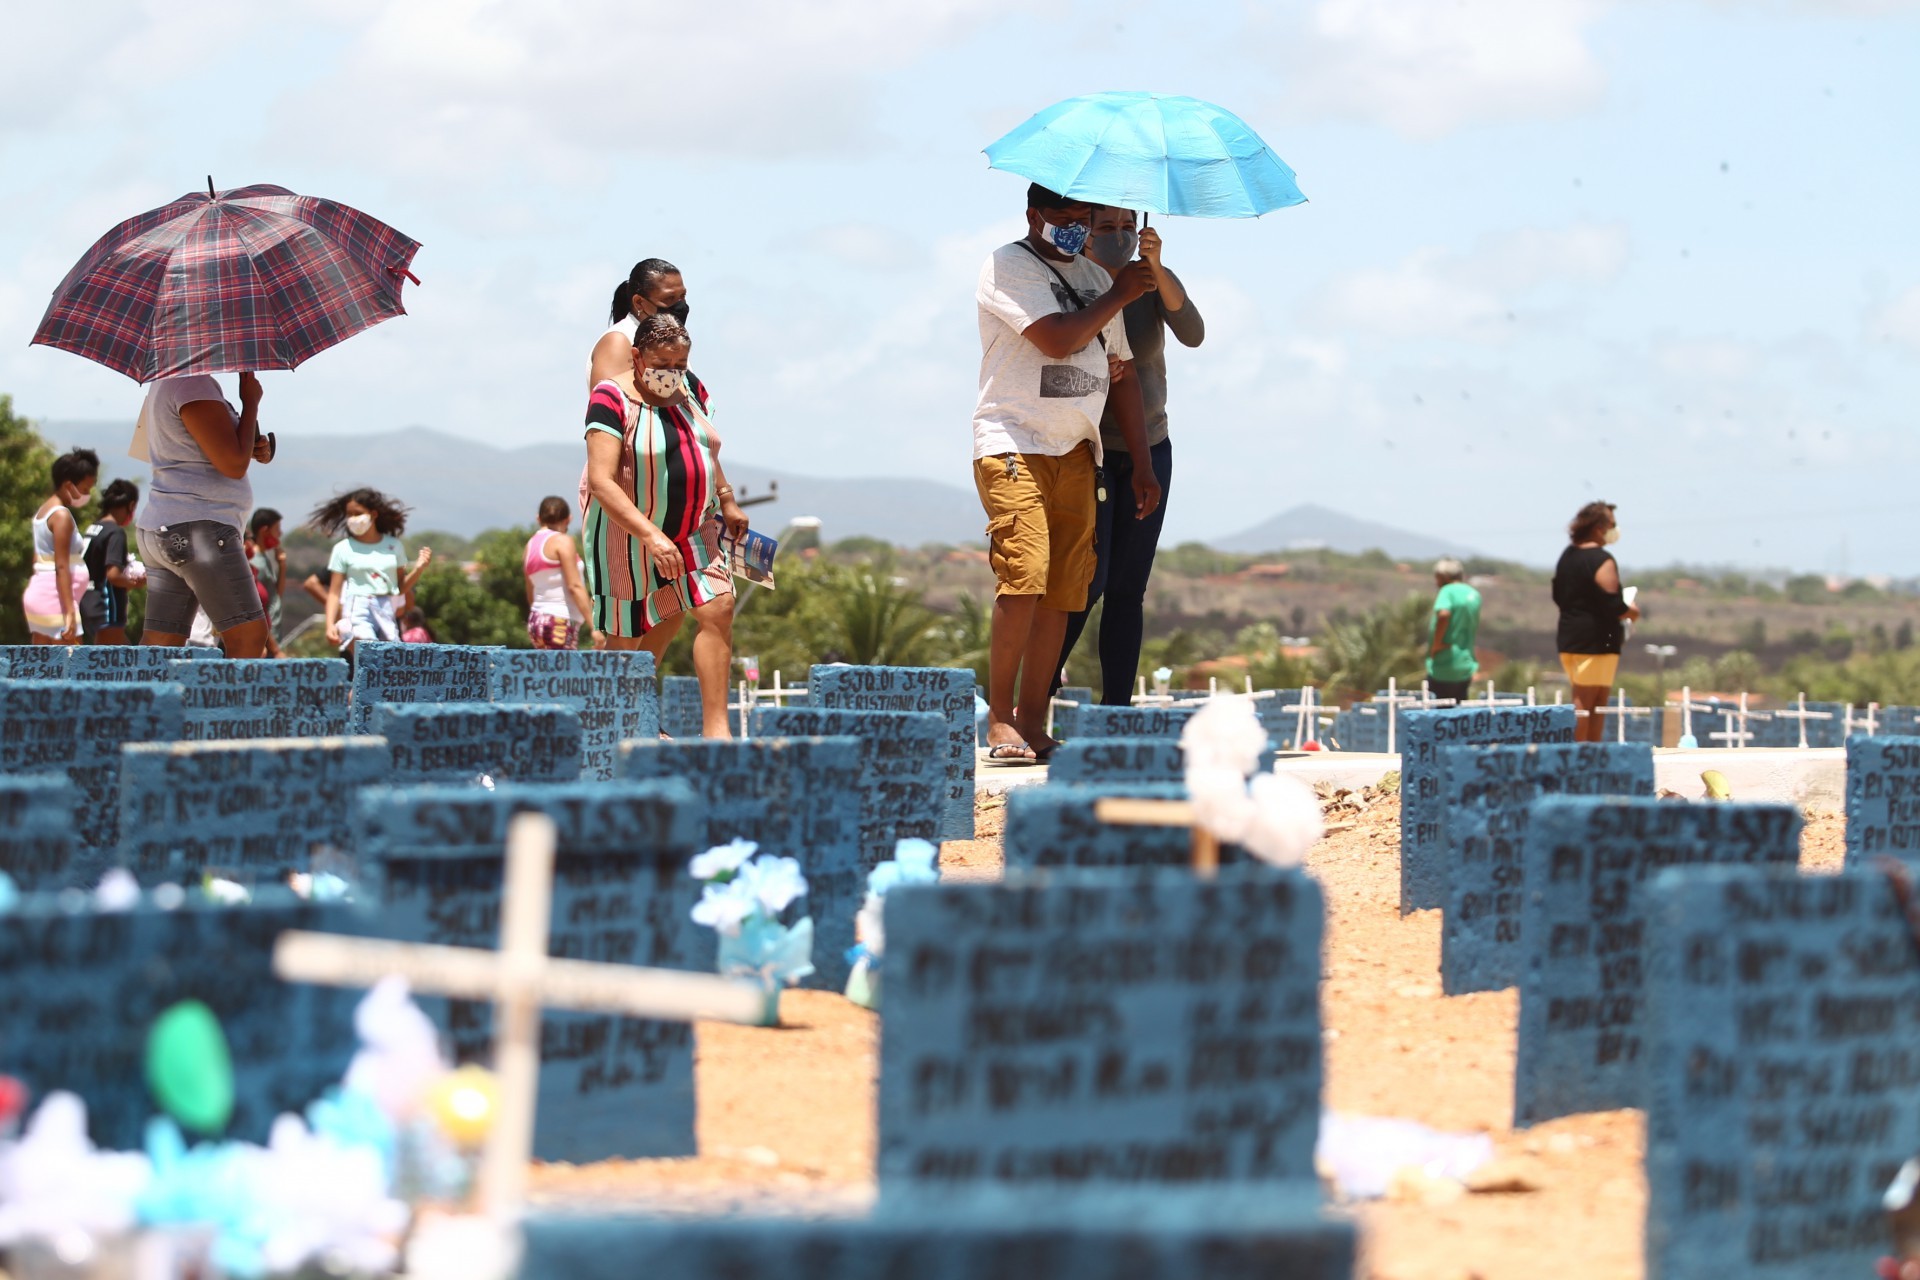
1043,754
1013,755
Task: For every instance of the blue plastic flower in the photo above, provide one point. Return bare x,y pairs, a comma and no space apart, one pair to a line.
9,893
769,952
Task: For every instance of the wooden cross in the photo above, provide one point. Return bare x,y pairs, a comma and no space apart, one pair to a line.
1734,737
518,978
1122,811
1871,721
1621,709
1803,715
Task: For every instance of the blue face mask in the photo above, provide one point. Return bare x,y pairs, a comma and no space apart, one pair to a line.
1068,240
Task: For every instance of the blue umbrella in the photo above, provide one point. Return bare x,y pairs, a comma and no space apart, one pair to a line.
1154,151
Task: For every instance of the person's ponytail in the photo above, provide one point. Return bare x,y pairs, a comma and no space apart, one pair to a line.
622,302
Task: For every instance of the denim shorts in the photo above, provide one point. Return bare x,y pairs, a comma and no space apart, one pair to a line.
197,562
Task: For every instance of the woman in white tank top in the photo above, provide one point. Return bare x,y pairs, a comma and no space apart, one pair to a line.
51,601
557,600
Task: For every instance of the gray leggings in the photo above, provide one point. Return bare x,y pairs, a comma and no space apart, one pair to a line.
197,562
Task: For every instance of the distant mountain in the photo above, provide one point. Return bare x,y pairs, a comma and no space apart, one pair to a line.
464,487
1310,527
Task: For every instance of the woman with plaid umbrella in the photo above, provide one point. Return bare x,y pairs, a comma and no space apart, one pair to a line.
189,528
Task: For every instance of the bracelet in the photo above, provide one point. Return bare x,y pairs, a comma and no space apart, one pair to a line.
724,491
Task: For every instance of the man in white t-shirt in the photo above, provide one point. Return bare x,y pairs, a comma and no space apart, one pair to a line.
1053,348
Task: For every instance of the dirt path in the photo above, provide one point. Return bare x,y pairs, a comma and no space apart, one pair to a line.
786,1117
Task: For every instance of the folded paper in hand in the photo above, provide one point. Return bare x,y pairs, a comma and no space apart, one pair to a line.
750,556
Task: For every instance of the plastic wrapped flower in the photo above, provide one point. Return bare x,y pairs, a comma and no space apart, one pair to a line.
723,860
773,883
742,903
914,861
724,907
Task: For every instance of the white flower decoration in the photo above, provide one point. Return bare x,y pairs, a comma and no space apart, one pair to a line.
725,907
721,859
773,882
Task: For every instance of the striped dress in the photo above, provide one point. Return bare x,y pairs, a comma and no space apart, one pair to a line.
667,468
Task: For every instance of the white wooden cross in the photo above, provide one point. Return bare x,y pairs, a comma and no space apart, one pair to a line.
1735,737
1394,701
1803,715
519,979
1624,712
1870,722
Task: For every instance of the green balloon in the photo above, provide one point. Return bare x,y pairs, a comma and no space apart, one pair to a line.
189,1068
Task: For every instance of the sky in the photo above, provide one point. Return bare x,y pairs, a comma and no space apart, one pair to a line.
1651,251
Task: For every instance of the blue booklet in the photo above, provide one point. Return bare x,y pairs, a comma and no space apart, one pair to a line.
751,556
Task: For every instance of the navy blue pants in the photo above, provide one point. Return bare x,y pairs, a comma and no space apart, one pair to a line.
1125,547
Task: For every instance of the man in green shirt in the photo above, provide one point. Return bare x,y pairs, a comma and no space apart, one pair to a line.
1456,625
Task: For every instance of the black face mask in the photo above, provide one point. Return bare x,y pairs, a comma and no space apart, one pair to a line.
678,311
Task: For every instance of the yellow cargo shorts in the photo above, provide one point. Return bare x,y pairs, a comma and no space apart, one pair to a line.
1040,518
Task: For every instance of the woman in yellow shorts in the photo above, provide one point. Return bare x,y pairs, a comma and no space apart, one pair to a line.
1593,614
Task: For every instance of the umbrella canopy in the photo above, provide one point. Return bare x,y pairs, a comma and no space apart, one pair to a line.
251,278
1153,151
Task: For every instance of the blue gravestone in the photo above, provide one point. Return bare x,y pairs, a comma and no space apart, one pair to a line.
610,1087
262,698
1055,826
1279,713
1424,734
1127,761
1101,1028
79,991
1782,727
37,845
949,692
902,768
1486,796
1363,727
680,714
1581,1001
1075,693
1074,722
247,811
1895,722
36,661
132,661
1783,1056
474,741
794,797
1101,1235
612,689
1883,798
75,730
389,672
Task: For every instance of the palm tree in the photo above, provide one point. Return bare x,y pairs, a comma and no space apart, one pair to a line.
1361,653
879,621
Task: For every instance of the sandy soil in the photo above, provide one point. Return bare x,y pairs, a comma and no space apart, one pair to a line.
786,1116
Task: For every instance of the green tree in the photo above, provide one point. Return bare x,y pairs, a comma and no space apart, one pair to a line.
1361,653
24,462
876,620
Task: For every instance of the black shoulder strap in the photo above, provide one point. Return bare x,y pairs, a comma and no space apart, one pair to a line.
1072,292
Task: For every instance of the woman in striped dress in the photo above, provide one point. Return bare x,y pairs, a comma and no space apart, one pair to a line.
655,511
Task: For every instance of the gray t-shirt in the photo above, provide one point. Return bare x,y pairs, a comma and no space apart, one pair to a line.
1147,323
185,486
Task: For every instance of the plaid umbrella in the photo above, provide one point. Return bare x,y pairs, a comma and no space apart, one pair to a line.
248,279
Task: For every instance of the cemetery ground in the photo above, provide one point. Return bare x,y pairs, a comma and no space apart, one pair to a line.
786,1117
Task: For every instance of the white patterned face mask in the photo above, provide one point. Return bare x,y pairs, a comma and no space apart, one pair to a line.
662,384
359,525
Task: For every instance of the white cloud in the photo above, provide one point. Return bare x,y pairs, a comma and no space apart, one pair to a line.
1899,320
465,91
1427,68
1435,293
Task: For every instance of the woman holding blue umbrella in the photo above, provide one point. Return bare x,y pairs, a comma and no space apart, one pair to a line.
1125,548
